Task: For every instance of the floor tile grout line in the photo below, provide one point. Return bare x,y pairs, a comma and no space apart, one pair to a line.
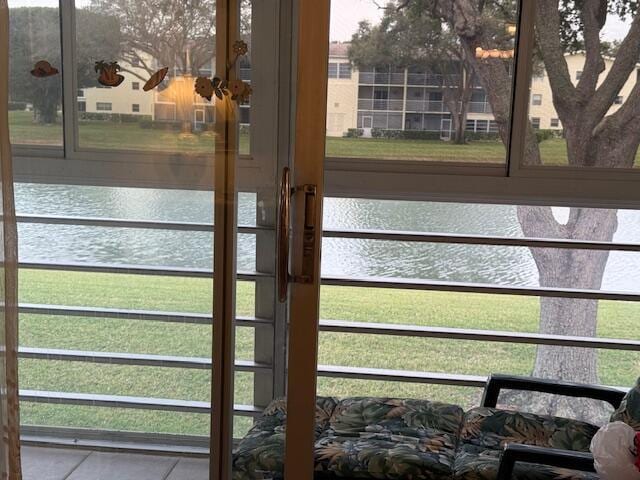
173,467
78,465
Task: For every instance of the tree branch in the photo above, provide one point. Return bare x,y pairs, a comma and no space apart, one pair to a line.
594,15
548,37
623,66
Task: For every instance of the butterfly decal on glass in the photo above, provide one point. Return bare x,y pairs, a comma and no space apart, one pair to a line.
237,89
207,88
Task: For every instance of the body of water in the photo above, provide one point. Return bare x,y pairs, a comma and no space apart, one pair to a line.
359,258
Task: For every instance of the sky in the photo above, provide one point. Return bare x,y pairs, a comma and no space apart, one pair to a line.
346,14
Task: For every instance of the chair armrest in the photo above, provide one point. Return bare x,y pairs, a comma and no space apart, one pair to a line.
514,453
495,383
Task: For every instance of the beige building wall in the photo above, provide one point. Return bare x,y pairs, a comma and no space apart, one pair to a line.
123,97
342,105
342,93
541,87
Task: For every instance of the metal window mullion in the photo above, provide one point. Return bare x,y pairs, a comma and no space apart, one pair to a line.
225,211
124,401
481,288
419,331
129,314
287,54
521,87
408,376
69,76
479,240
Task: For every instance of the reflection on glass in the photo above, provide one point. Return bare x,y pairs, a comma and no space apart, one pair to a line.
583,89
170,117
35,102
388,98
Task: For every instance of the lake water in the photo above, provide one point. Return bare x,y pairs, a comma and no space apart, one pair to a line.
360,258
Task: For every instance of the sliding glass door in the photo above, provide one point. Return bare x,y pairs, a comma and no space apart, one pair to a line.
152,141
273,311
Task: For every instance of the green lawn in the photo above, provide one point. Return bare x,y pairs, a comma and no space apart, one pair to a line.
110,135
129,136
193,295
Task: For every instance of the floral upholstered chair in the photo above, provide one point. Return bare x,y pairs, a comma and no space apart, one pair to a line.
504,445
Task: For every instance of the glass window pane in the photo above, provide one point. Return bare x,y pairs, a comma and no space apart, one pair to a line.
479,264
35,82
582,101
345,71
116,59
333,70
391,100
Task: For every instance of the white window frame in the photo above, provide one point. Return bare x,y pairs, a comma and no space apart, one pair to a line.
510,182
344,66
337,69
71,164
536,99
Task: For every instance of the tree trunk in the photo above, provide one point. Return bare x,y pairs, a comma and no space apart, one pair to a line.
562,316
46,98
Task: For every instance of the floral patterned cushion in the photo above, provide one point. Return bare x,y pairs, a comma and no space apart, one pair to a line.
629,411
389,438
492,428
479,463
379,438
354,416
260,454
384,455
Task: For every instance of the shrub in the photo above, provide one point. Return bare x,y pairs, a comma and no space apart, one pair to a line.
17,106
404,134
482,136
542,135
354,133
114,117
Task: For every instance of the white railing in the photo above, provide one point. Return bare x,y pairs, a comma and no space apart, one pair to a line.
339,326
385,105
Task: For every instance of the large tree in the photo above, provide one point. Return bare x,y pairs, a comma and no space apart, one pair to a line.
594,138
35,36
177,34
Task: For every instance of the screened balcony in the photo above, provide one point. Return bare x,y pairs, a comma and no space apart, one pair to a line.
448,254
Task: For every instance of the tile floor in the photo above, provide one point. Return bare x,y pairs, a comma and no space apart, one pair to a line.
39,463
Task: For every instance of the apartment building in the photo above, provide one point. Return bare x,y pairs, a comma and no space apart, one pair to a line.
408,99
372,98
177,101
